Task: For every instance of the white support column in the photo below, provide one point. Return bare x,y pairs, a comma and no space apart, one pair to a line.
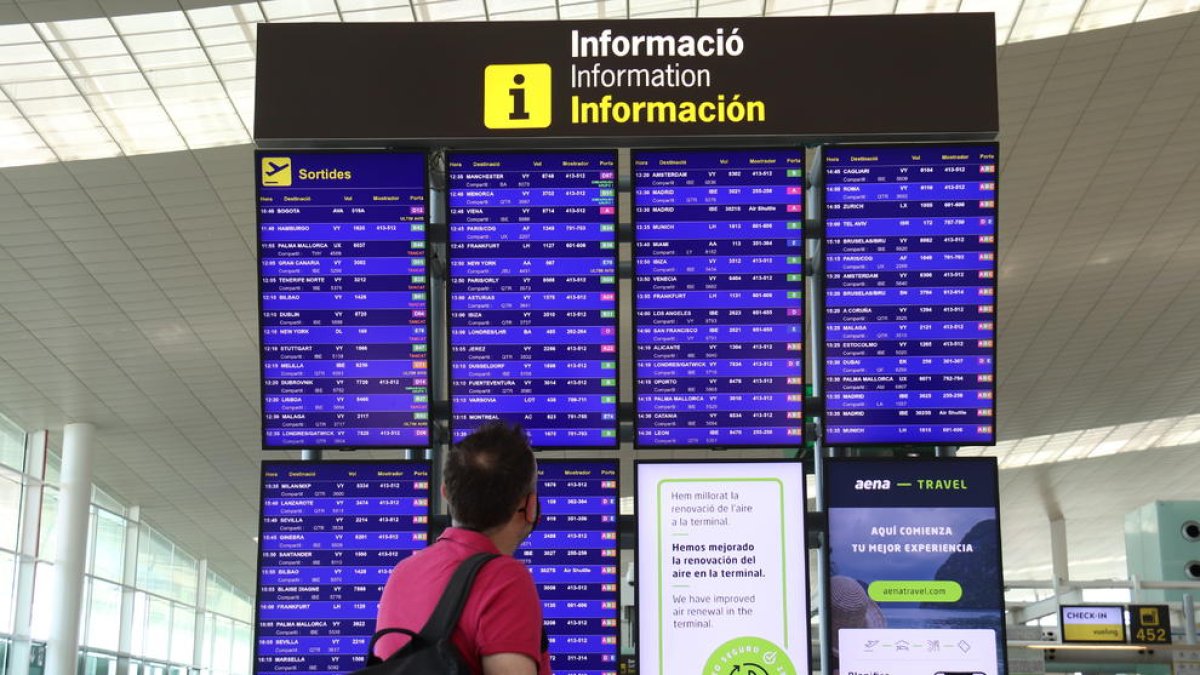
129,578
201,607
1058,552
74,499
1058,560
27,550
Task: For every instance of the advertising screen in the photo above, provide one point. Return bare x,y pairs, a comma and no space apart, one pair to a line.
910,294
573,557
722,568
718,297
915,582
343,299
533,295
329,535
1092,623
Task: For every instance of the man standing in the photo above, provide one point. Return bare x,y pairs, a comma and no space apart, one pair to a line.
490,483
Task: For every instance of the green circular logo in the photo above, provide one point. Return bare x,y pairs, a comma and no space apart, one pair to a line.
749,656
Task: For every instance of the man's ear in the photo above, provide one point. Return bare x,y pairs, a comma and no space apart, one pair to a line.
530,508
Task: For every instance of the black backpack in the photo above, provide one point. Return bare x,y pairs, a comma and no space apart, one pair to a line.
431,652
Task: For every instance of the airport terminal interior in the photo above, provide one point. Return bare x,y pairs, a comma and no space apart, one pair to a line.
129,301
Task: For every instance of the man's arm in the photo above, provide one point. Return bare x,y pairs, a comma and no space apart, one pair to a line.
509,664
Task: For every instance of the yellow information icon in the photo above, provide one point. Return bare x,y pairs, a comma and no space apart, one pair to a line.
517,96
276,171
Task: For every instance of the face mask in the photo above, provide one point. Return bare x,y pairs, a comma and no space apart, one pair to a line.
537,514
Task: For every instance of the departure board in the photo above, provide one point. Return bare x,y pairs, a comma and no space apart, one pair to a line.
718,297
573,557
343,299
329,535
533,295
910,286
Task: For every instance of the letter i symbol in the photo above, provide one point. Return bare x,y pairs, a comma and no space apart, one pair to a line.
518,97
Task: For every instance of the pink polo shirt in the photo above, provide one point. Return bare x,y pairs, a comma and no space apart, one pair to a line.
503,613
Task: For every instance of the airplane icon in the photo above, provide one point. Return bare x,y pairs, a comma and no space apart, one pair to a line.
276,171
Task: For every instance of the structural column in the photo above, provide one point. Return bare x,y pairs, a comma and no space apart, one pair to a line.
27,551
1058,554
199,628
133,533
74,498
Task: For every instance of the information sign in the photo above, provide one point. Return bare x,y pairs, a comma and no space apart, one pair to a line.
1092,623
1150,624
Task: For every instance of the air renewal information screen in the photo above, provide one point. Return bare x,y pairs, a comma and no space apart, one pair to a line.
533,295
573,557
330,534
910,286
722,569
719,280
341,241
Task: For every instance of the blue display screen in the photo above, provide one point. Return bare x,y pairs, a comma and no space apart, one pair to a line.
573,558
533,295
718,297
910,286
343,299
330,534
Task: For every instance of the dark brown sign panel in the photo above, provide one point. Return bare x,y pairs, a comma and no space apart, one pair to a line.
833,78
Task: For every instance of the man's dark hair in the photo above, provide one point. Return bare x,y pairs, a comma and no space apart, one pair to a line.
487,474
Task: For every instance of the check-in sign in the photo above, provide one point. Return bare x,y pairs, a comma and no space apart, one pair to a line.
1085,623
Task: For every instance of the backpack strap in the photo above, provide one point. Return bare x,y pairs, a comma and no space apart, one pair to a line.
375,660
445,616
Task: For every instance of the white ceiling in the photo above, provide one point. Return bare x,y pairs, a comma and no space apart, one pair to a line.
127,298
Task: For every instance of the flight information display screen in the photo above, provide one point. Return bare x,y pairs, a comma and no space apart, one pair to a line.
343,299
329,535
718,297
573,558
910,294
533,295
